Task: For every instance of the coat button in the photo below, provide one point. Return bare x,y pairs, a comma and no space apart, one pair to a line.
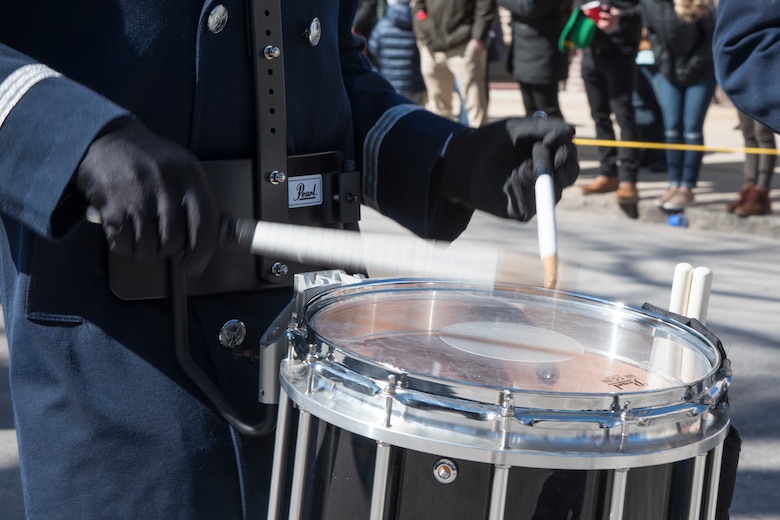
232,334
218,18
314,32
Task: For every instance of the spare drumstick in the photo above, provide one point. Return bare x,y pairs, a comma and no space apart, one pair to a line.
388,254
690,298
544,191
681,288
699,299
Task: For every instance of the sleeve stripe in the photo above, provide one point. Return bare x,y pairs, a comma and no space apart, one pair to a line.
18,83
371,146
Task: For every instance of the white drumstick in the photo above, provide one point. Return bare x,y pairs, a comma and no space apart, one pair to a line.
681,288
392,255
544,191
699,300
548,235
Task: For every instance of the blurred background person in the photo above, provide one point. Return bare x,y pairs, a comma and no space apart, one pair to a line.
680,32
497,46
609,74
366,16
393,49
758,169
649,119
452,39
534,59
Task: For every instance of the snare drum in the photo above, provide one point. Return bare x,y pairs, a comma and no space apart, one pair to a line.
421,399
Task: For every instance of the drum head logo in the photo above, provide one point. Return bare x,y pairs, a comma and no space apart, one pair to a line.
623,380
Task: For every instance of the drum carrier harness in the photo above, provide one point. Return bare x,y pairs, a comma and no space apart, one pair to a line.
320,189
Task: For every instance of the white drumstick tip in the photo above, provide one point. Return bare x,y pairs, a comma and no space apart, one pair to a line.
544,192
699,300
547,230
681,288
691,291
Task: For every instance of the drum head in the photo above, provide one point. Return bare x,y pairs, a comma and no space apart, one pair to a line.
518,339
517,375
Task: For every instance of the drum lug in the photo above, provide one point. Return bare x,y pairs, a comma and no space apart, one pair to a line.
301,348
707,401
389,393
626,418
507,402
311,357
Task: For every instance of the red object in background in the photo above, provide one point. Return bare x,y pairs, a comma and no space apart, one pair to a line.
592,10
421,15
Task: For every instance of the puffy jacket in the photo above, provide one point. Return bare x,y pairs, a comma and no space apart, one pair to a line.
536,26
393,47
683,50
444,24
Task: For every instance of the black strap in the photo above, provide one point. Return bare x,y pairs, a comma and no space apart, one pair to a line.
270,118
691,323
270,203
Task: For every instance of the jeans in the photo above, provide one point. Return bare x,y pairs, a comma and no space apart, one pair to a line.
684,109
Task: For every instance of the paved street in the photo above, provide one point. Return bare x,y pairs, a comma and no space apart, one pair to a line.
633,262
611,256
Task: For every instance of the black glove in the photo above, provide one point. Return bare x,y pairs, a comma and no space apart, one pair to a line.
491,168
151,194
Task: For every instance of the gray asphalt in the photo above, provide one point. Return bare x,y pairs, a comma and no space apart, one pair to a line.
611,256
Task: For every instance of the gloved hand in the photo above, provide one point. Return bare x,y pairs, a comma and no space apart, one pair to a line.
491,168
151,194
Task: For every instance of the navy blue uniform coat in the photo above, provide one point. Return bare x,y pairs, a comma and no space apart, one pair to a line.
747,57
108,425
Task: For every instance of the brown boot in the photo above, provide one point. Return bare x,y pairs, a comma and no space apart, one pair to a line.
601,184
732,206
627,193
757,203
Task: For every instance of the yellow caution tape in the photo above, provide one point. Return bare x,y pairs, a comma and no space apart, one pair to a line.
669,146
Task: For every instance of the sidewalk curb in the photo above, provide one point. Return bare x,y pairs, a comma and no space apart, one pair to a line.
704,218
